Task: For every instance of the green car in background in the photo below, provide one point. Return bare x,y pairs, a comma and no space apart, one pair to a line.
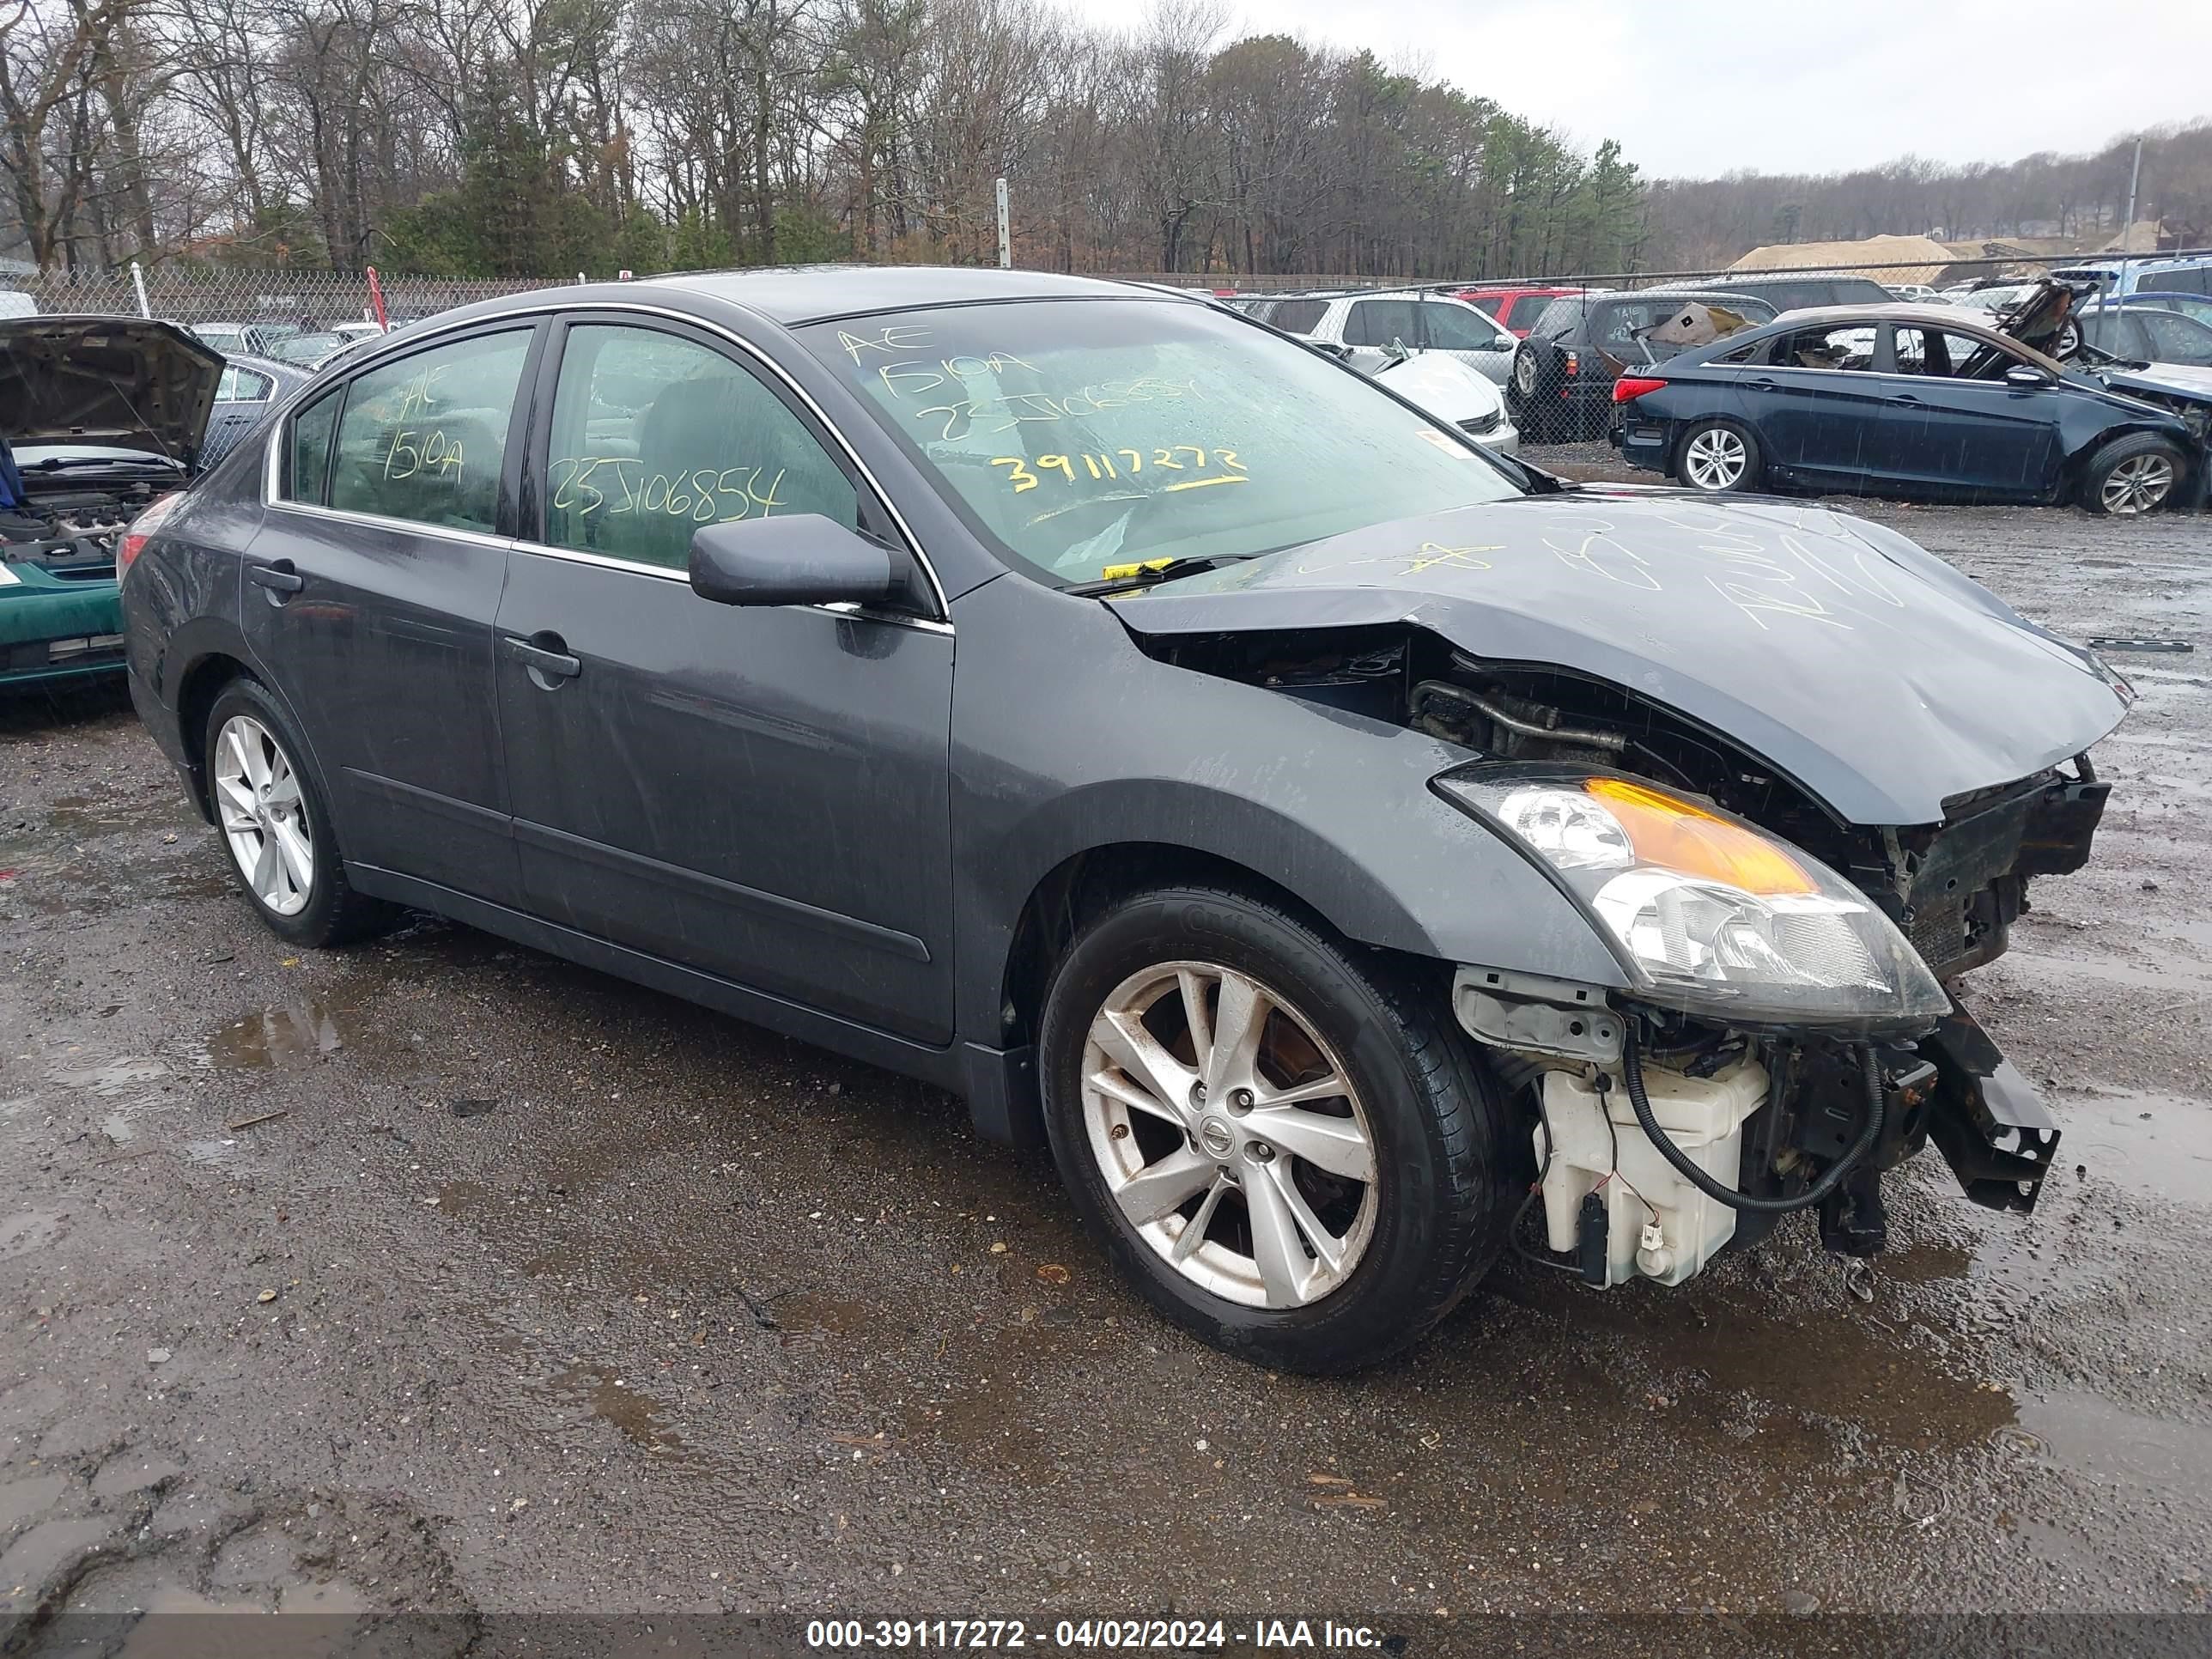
100,418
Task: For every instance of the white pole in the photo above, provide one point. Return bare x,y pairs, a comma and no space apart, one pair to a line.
1006,242
138,281
2128,233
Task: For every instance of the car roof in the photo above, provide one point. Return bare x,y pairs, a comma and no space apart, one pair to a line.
275,366
1752,278
1904,311
1668,294
792,295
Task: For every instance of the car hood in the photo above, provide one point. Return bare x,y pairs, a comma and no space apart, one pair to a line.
1880,679
1444,386
2173,379
105,381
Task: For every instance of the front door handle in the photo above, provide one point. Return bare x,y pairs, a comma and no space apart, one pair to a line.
1904,397
278,576
544,656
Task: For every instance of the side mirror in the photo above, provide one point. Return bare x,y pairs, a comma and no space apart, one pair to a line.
802,559
2026,377
1503,343
1396,351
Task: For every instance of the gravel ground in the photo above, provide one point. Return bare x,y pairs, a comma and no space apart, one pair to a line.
439,1274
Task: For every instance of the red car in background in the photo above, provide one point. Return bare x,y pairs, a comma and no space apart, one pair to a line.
1516,308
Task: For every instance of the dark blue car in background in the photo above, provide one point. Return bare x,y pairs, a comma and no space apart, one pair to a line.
1926,401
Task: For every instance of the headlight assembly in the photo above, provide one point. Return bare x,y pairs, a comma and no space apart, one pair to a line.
1708,913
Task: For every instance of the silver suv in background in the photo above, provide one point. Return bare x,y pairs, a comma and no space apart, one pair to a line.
1369,321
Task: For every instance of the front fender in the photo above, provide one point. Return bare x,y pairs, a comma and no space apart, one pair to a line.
1067,739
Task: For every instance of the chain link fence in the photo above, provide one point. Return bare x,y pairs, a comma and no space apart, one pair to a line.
321,299
302,299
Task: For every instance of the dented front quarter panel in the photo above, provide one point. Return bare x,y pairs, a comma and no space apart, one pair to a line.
1878,678
1067,739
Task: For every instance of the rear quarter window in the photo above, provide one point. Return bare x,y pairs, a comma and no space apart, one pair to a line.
308,475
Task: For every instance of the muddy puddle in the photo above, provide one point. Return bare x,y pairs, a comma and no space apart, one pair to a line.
2156,1144
296,1034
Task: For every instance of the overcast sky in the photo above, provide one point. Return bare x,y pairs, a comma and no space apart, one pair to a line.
1693,89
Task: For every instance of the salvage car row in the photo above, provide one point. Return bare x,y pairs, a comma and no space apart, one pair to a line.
1337,841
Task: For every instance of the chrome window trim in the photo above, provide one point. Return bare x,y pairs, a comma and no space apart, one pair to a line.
422,333
408,526
663,572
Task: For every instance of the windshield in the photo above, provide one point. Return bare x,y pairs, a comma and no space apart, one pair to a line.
1079,436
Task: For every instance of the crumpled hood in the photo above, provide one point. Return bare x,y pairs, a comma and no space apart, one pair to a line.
116,380
1874,674
2175,379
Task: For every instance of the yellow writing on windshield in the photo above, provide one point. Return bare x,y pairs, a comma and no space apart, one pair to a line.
1180,463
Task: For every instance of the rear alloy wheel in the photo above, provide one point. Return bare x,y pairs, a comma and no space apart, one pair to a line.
257,797
1718,456
1284,1142
2133,476
276,825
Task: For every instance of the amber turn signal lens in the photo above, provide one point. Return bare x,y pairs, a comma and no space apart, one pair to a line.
1677,835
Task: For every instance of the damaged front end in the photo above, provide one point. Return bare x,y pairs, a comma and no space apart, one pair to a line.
1786,1034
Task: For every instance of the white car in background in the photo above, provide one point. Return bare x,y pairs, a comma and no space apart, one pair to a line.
1411,335
1447,388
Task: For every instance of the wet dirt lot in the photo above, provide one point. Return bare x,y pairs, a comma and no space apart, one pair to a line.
438,1273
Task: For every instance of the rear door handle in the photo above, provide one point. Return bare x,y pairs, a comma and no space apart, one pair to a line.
1904,398
547,662
278,577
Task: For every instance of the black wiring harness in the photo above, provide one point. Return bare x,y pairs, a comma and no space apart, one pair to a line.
1639,1100
1632,1061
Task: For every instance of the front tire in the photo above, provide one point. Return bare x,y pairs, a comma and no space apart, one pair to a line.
276,825
2132,476
1717,458
1287,1147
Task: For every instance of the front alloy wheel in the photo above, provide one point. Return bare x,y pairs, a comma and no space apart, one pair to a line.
2140,483
1229,1135
1278,1136
264,817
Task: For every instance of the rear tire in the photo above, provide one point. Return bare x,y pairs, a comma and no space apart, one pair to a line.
2134,475
1717,458
1526,400
1298,1264
275,824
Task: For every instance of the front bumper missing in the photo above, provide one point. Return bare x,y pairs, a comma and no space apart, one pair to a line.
1990,1125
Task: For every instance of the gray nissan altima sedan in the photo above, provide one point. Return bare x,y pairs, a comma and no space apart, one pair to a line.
1355,855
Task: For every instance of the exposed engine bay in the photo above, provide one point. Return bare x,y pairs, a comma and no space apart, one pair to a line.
74,527
1661,1134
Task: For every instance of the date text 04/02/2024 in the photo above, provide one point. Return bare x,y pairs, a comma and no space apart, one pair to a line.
1172,1635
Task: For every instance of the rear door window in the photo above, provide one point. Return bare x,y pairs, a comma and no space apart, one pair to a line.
1847,346
654,435
1378,322
425,438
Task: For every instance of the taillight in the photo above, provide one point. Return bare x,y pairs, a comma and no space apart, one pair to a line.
134,538
1573,364
1629,387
